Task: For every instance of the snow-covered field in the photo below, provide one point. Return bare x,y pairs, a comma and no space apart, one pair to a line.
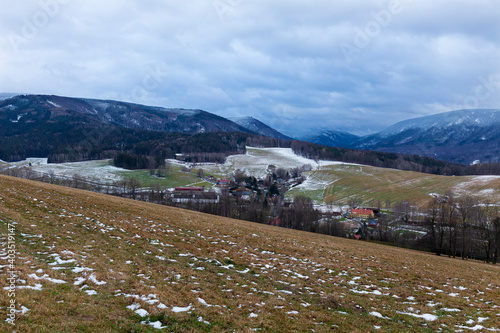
256,161
316,181
100,170
482,186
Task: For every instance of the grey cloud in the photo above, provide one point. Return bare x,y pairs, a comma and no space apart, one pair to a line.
279,61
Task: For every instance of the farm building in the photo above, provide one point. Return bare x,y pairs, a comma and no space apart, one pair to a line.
195,197
363,213
223,183
189,189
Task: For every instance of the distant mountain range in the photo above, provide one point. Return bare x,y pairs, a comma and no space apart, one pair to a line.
256,126
332,138
71,129
463,136
129,115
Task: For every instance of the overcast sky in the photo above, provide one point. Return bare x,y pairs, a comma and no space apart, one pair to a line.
297,65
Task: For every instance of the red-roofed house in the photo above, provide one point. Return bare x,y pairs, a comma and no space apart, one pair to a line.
363,213
223,182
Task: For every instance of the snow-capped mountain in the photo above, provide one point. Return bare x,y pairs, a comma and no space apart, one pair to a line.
75,129
128,115
332,138
462,136
454,119
259,127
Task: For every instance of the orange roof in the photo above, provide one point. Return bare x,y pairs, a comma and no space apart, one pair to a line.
362,211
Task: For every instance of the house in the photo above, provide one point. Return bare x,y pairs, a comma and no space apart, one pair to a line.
363,213
180,157
223,183
336,215
372,223
194,197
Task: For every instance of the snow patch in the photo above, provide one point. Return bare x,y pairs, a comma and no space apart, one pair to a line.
181,309
426,316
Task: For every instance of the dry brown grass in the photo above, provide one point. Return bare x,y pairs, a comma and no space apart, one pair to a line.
252,276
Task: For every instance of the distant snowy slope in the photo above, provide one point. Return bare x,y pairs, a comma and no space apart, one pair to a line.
259,127
256,161
462,118
332,139
462,136
116,113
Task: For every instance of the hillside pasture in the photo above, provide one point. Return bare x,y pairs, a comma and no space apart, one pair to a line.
341,183
328,182
87,262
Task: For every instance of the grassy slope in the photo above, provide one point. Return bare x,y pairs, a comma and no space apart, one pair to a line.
102,171
339,183
175,177
251,275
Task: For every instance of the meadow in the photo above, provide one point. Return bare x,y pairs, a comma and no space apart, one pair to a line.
327,182
87,262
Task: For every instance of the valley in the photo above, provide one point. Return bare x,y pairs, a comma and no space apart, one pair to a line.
328,182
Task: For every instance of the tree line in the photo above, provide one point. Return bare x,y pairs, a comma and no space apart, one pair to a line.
457,227
392,160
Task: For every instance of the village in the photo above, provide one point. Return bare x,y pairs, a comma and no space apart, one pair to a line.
251,187
356,222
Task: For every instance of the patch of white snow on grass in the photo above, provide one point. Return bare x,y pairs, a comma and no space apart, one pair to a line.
450,310
475,328
94,279
142,312
81,269
45,277
202,301
157,325
378,315
79,281
37,286
181,309
134,306
426,316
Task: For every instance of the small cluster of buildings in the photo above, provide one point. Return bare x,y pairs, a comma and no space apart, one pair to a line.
194,194
367,219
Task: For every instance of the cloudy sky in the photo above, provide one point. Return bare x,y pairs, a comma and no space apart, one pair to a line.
297,65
